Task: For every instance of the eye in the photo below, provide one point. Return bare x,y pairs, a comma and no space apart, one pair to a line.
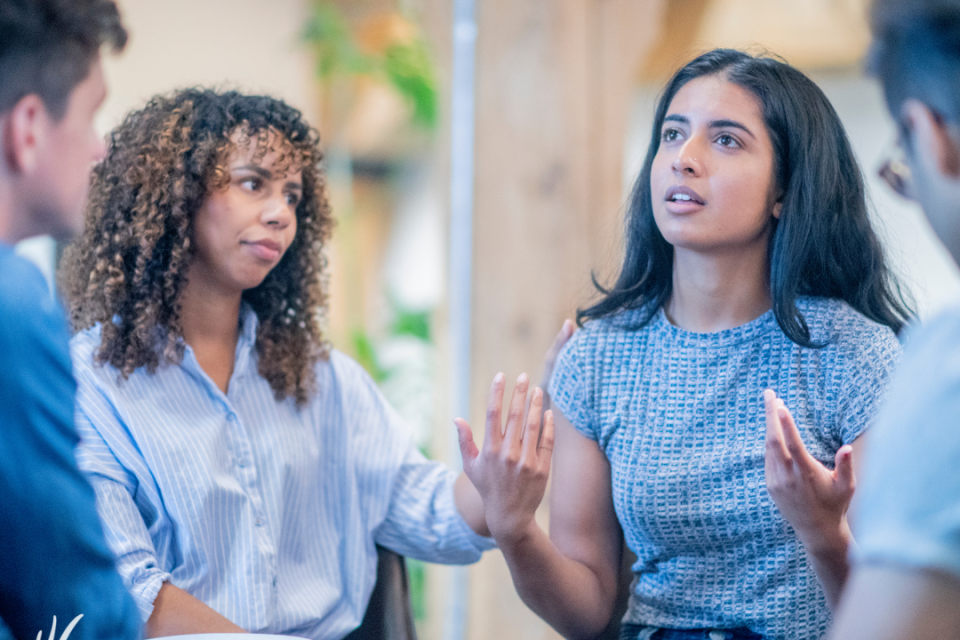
726,140
251,183
293,199
669,135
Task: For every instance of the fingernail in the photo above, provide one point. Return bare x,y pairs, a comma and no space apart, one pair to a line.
538,392
522,378
497,379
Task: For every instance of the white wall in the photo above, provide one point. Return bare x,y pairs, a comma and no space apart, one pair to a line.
247,44
915,253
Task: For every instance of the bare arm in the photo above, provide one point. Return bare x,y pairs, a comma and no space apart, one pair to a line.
887,602
570,580
176,612
580,562
812,498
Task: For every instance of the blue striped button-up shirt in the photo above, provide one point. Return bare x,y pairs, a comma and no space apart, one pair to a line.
266,513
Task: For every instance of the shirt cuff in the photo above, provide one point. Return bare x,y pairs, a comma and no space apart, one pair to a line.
482,543
144,585
909,549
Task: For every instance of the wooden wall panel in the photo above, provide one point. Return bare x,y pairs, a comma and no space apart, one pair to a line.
554,85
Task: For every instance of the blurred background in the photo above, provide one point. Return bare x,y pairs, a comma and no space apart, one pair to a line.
562,97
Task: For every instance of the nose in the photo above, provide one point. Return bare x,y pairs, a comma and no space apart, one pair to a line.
278,213
687,161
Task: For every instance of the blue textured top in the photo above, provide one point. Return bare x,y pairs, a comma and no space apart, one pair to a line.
53,557
680,417
266,512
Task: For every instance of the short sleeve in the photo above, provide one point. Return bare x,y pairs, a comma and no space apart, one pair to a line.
909,495
868,370
570,390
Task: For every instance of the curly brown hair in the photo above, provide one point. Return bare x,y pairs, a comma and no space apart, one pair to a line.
128,269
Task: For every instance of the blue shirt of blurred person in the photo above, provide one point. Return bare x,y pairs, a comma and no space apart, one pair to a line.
53,557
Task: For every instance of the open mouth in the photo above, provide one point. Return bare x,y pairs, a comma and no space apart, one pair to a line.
682,194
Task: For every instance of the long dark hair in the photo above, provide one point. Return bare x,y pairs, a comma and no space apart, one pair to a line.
822,245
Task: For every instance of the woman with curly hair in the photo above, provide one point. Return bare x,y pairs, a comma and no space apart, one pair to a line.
244,471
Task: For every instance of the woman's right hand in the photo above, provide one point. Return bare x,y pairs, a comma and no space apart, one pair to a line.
511,471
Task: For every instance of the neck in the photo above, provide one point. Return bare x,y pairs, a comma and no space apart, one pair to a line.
717,291
210,319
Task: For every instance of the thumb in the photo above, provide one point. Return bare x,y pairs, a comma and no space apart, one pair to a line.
468,448
843,467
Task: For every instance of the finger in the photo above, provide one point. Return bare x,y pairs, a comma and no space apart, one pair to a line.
843,469
531,432
518,401
468,448
774,437
791,436
545,448
494,427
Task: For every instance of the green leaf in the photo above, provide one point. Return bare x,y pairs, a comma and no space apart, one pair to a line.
412,323
367,355
337,53
409,68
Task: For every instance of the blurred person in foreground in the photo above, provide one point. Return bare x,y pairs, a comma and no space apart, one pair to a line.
906,582
53,557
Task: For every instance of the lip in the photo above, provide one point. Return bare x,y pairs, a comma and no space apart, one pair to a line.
681,189
265,249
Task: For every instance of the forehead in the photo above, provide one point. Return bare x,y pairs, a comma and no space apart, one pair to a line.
267,149
716,98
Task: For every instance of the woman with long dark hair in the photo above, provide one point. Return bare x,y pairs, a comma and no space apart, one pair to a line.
752,283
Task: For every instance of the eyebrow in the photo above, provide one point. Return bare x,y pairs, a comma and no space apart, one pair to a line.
714,124
266,174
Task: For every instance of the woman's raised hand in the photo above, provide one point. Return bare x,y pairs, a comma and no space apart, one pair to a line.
511,471
812,498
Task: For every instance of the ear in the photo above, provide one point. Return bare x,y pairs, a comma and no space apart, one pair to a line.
24,133
777,209
932,138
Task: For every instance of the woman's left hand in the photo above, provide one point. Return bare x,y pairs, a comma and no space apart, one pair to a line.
812,498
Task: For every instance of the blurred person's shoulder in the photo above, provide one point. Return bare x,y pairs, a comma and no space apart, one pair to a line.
28,309
909,490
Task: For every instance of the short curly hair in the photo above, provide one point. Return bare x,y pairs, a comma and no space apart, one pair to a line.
127,270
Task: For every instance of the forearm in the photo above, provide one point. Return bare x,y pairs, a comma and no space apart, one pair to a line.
829,556
176,612
565,593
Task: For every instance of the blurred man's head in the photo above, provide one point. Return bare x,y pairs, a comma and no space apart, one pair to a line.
51,85
916,56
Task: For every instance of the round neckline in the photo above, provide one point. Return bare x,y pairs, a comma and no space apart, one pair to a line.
755,328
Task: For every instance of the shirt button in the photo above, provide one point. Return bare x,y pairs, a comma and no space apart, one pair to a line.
242,462
231,417
259,522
